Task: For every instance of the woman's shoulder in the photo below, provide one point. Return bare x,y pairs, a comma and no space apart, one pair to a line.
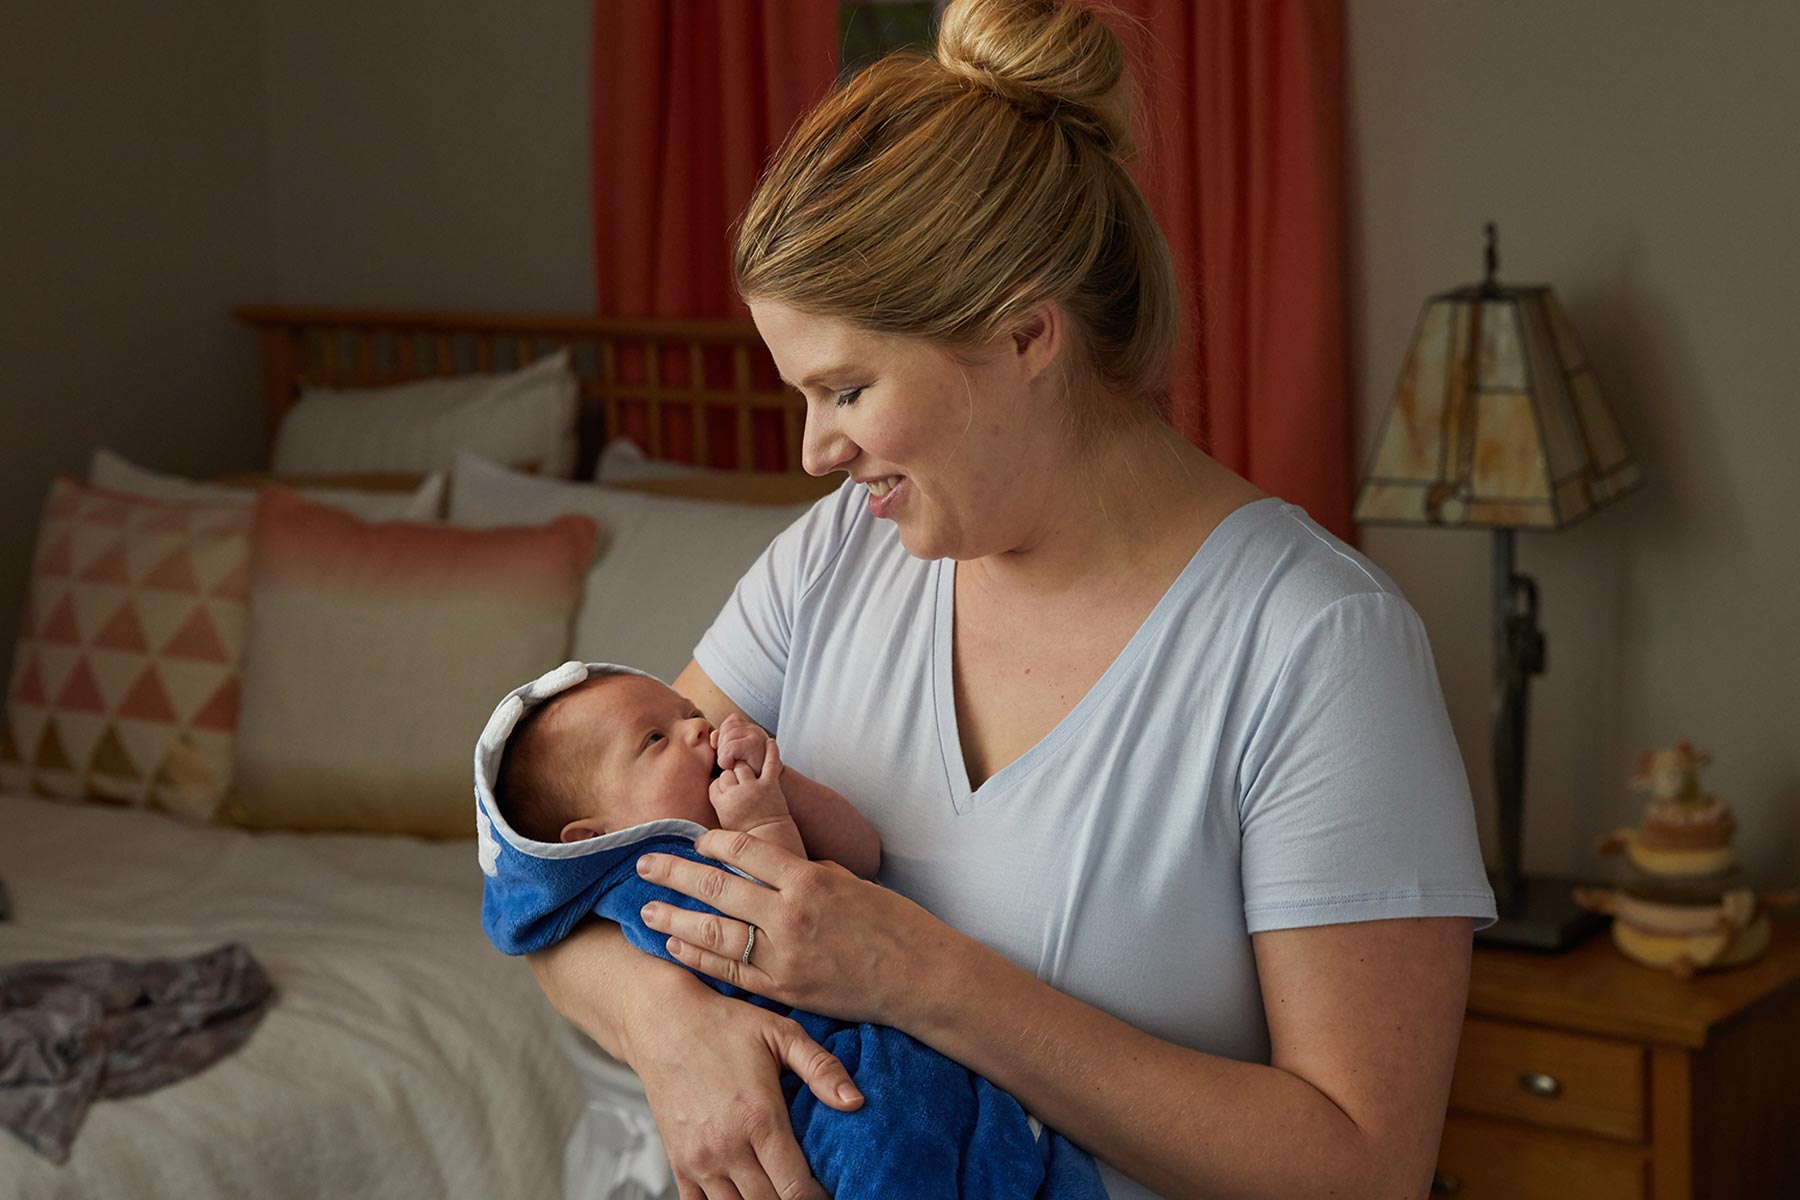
1276,570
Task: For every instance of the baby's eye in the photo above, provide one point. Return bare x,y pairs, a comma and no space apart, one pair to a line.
847,398
652,739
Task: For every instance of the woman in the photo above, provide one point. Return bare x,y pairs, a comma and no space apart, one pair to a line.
1177,844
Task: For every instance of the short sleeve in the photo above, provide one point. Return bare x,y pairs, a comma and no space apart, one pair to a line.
1354,802
746,650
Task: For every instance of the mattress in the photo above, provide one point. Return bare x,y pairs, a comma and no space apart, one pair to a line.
403,1056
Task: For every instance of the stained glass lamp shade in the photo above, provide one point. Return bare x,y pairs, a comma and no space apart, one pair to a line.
1497,420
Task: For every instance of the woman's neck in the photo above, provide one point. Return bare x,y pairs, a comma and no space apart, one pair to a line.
1143,501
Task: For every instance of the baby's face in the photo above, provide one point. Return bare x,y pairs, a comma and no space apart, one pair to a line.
655,756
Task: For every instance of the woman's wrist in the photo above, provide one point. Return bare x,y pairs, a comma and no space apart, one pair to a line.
934,976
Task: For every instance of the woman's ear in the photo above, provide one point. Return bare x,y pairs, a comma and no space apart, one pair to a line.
580,831
1038,338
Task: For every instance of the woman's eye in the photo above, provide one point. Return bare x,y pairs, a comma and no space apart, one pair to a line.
849,397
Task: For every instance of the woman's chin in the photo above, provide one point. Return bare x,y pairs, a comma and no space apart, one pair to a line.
923,543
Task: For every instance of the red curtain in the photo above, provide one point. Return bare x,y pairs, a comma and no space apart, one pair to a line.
690,99
1241,121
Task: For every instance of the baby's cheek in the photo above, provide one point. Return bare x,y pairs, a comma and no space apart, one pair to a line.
687,803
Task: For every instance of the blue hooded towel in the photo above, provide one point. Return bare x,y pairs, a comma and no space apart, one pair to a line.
928,1128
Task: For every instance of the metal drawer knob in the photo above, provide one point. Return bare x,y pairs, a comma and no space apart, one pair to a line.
1539,1084
1445,1184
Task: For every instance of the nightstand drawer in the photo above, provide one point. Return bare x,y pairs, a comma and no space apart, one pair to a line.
1556,1080
1493,1160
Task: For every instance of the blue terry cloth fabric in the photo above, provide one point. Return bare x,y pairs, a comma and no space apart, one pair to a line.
928,1127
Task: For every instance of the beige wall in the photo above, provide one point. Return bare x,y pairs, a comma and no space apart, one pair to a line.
430,155
133,214
1641,157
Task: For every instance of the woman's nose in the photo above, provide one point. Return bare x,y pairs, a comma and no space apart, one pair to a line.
824,448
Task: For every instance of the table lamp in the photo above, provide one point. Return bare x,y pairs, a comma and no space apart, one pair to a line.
1498,423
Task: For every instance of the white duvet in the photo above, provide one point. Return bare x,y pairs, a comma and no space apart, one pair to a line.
403,1057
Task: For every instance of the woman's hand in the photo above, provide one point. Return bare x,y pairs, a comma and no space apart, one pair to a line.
826,941
713,1081
710,1065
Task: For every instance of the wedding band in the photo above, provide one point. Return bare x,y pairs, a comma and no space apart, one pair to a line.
749,945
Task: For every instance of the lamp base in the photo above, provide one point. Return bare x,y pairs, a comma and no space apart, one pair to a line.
1540,914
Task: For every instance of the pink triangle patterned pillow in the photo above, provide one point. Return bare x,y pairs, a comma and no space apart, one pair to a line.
125,677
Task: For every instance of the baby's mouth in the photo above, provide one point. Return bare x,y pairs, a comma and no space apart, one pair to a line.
717,770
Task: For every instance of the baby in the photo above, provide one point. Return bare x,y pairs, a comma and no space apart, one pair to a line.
581,772
621,749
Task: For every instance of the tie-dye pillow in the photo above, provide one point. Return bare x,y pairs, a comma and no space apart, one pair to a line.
375,653
125,676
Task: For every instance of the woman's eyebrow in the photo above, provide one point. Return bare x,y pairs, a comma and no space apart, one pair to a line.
820,376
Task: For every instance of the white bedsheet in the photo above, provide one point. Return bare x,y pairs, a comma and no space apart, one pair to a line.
403,1057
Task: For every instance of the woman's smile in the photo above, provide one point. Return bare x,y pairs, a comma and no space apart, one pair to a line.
885,493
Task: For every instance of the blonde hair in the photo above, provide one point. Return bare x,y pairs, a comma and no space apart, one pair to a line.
944,197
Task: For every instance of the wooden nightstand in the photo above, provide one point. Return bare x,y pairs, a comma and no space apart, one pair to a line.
1583,1074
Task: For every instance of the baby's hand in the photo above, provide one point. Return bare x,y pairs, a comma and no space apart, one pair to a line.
745,799
738,739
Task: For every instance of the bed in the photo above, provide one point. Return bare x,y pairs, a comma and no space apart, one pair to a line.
403,1056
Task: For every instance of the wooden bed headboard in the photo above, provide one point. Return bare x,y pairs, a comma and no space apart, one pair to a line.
693,391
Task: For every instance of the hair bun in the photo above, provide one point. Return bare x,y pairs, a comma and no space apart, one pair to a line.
1054,59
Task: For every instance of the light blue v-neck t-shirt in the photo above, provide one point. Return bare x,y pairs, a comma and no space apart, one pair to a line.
1269,750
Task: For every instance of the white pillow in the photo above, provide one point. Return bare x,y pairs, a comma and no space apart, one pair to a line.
624,461
525,418
118,474
665,568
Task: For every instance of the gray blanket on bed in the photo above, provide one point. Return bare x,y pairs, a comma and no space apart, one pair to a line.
93,1028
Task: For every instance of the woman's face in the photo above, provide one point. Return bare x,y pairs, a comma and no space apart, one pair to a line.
963,459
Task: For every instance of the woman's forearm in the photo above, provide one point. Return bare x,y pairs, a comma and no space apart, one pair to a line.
597,979
1178,1121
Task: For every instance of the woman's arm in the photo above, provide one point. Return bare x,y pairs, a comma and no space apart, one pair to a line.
1364,1020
